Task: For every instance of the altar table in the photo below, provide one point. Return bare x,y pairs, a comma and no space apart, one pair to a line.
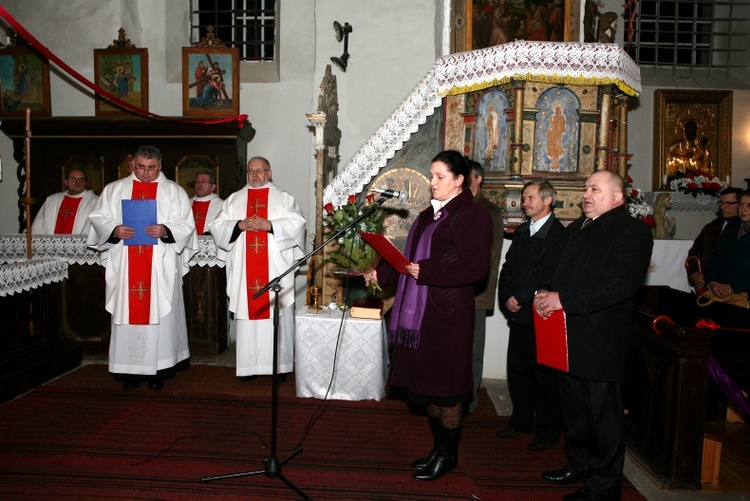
667,265
360,365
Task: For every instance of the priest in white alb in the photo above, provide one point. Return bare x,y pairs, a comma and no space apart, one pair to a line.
206,203
262,229
67,212
144,281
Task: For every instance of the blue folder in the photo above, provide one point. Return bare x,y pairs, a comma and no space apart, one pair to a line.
138,214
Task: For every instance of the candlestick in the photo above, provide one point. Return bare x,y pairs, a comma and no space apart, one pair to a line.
727,180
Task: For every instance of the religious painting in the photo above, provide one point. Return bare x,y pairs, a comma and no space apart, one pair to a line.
189,166
556,132
495,22
693,130
125,167
89,165
24,83
210,81
123,72
491,136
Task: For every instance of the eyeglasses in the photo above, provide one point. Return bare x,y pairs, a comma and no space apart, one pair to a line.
204,182
252,172
150,168
77,179
726,203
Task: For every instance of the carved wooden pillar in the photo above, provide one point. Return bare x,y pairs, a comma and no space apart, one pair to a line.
603,146
622,136
516,147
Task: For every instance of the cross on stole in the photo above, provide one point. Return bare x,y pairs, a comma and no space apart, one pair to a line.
140,249
200,217
255,288
256,206
256,246
65,213
139,290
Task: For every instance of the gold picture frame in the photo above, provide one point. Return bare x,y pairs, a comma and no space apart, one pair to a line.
693,130
210,81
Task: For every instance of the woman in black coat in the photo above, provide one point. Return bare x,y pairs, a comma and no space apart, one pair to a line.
432,320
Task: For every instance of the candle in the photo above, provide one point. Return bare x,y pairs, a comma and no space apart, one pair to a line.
727,180
664,180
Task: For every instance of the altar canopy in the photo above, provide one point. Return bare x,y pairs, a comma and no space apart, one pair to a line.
549,62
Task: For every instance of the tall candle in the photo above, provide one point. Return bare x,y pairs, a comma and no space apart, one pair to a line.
664,180
727,180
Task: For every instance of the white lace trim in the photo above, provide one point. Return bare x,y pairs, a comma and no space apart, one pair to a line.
72,250
682,202
557,62
23,276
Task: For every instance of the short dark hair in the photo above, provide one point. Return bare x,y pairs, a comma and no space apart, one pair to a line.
729,190
545,189
210,175
476,167
457,164
149,152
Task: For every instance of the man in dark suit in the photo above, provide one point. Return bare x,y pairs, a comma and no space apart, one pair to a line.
704,245
595,283
533,387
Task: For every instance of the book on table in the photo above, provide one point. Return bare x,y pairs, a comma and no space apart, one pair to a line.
366,309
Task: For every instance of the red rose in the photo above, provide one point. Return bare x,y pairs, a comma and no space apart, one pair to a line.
328,207
692,186
370,198
352,199
634,193
715,186
689,175
649,220
630,180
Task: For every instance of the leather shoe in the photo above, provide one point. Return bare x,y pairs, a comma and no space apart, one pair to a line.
540,444
511,432
564,476
131,385
584,494
155,385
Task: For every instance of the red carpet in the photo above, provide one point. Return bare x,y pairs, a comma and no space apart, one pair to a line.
82,436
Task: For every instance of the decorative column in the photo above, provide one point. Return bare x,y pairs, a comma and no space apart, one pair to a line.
516,147
622,135
605,118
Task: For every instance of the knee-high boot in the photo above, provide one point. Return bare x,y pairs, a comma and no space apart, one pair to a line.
446,458
434,426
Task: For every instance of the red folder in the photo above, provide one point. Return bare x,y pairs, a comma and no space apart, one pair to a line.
551,340
385,248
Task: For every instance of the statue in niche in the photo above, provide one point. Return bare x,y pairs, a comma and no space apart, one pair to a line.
493,137
666,226
689,153
555,133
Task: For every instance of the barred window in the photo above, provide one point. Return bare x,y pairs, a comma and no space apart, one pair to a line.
686,35
249,25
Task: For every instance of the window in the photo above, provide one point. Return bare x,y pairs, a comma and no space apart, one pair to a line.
695,35
249,25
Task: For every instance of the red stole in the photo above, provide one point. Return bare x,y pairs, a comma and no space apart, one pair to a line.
200,211
66,216
140,259
256,257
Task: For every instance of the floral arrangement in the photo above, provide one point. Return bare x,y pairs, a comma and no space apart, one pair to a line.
354,255
637,206
693,184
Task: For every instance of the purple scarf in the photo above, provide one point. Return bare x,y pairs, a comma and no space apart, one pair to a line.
411,298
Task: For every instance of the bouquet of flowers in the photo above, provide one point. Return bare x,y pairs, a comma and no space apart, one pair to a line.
637,206
354,254
695,185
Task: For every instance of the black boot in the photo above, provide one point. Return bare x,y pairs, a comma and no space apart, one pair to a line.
434,426
446,458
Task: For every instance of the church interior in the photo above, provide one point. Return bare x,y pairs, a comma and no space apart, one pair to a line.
414,78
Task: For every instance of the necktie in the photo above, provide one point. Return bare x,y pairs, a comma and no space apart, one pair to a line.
587,222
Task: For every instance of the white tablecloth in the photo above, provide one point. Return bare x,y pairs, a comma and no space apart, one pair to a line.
668,264
361,363
23,276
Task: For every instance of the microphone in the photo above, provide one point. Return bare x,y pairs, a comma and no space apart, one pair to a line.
401,195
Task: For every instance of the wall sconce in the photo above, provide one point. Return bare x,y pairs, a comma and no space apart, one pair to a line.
342,32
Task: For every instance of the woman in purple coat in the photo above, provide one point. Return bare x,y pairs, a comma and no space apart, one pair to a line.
433,313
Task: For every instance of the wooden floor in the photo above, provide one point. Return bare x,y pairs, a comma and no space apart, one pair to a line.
734,475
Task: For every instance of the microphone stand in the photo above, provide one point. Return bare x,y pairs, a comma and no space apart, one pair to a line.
273,466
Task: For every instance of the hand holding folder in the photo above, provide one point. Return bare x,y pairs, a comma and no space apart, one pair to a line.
385,248
139,214
551,335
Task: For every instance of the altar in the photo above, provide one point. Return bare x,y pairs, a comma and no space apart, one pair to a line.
667,266
337,357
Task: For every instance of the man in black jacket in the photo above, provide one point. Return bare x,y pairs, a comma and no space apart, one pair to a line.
595,283
533,387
